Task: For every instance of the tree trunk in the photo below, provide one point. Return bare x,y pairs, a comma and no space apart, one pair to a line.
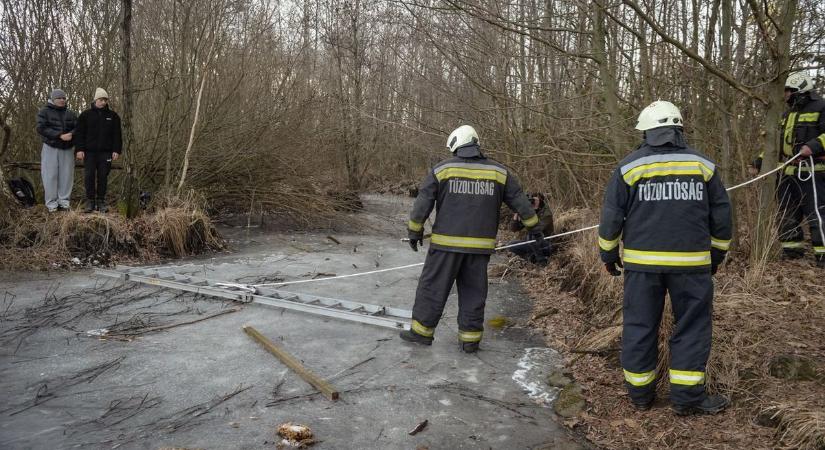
763,240
129,197
606,77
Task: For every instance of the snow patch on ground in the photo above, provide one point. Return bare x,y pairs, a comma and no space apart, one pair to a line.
533,369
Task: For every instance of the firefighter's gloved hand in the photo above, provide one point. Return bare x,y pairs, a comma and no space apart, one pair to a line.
717,257
415,242
611,268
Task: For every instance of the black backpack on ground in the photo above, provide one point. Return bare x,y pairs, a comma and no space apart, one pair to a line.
23,191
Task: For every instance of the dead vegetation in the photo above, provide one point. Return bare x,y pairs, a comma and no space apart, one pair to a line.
768,352
35,239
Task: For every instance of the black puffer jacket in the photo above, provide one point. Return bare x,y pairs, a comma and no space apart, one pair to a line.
98,130
52,121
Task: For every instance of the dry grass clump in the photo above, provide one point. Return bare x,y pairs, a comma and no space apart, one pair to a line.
800,426
757,321
179,226
36,239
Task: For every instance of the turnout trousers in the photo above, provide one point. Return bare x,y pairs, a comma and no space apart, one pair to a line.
796,205
691,296
442,269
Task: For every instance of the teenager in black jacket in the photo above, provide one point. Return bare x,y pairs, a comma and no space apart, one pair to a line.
98,142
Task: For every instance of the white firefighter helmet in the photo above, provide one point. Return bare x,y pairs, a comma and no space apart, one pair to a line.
659,114
799,82
462,136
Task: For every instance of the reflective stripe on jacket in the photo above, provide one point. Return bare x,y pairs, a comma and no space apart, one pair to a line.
467,192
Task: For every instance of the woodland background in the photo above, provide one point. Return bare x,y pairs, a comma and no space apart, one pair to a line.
266,105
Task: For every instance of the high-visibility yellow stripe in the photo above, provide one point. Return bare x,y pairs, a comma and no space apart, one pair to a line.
686,377
819,250
640,379
474,174
787,134
461,241
532,221
682,259
665,158
421,329
821,139
469,336
664,173
721,244
657,165
415,226
792,244
818,167
808,117
667,168
608,245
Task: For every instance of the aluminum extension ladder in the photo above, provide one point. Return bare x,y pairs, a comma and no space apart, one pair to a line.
383,316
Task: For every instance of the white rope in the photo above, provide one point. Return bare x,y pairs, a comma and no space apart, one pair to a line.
548,237
389,269
341,276
408,265
754,180
811,176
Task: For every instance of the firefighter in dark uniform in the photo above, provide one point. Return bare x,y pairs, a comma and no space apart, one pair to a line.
799,195
467,191
668,206
535,252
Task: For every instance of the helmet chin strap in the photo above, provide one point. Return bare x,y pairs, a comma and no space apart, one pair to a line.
796,98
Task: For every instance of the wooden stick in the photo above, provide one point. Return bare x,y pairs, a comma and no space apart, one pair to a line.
319,383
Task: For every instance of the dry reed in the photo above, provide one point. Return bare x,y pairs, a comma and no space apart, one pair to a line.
37,239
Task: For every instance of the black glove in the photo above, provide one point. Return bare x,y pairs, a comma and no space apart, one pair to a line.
415,242
611,268
717,257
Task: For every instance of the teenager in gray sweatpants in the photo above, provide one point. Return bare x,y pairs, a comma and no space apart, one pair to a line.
57,171
56,125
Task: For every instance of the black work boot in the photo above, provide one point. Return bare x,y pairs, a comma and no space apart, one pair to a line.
820,261
90,206
793,253
412,336
469,347
101,206
712,404
643,405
